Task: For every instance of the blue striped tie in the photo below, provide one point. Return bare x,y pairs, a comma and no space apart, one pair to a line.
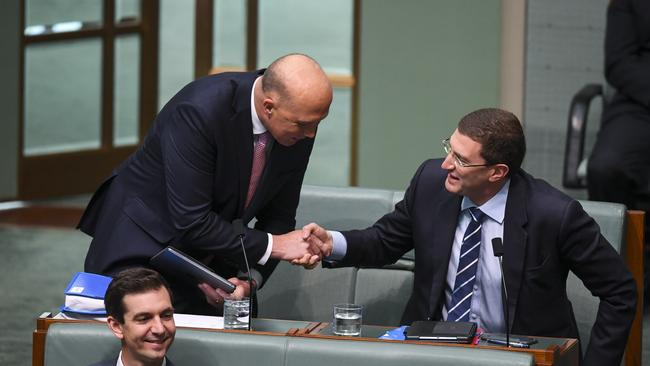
461,298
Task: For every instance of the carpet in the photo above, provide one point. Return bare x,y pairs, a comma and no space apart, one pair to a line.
35,267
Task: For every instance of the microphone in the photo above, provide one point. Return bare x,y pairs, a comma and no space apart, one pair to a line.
238,228
497,248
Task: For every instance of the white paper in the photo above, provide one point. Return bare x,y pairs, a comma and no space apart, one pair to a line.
181,320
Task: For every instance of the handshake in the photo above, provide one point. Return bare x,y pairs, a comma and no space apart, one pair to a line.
306,247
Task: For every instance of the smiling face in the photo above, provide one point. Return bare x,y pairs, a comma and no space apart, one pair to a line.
478,183
148,329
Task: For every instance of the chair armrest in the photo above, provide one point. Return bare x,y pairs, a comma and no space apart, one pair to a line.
576,131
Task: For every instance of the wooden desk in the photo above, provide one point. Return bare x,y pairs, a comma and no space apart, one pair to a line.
547,352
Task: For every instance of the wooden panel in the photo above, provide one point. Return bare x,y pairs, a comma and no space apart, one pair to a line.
337,80
66,174
203,37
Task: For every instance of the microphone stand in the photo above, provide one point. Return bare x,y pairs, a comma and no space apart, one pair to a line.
497,248
238,226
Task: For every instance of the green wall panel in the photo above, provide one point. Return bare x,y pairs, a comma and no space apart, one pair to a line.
423,65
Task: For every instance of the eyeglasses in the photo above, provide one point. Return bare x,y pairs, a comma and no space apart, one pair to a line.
447,146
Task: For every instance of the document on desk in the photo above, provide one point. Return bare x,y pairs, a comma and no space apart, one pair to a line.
198,321
181,320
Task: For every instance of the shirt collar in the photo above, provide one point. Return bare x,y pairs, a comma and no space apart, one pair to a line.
495,207
258,127
120,363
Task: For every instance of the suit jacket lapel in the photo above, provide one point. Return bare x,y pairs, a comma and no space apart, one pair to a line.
445,220
242,126
514,242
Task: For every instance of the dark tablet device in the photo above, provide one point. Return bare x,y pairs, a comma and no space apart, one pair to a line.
515,340
176,263
449,332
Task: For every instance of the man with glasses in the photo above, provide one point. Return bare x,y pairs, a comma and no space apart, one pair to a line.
453,209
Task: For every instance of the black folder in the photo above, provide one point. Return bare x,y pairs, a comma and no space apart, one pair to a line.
448,332
174,262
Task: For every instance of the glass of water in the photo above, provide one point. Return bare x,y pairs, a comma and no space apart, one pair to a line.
236,314
347,319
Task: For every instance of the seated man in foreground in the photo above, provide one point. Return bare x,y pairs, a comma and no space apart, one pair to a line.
453,209
140,314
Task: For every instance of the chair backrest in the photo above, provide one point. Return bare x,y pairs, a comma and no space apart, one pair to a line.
81,344
342,208
611,219
294,293
383,294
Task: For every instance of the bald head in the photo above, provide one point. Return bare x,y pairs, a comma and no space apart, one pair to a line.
293,98
297,79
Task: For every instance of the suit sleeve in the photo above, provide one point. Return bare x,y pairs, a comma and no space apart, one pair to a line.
387,239
604,273
189,157
627,53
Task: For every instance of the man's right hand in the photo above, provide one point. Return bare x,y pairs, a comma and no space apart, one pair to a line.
293,246
319,239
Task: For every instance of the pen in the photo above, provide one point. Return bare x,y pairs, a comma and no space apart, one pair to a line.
512,343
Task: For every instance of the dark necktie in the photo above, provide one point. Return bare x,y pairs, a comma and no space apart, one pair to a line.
461,298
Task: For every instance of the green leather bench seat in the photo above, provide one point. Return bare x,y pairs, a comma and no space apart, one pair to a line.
77,344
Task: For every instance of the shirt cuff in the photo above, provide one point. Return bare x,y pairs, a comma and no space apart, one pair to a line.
339,246
267,254
255,275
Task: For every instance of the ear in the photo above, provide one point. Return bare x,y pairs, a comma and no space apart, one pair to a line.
268,105
499,172
115,327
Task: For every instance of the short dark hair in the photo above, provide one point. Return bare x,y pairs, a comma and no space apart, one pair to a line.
131,281
500,134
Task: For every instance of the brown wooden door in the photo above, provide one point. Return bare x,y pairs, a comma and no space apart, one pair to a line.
88,91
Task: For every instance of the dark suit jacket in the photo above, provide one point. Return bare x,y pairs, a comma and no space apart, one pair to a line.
546,234
627,58
113,362
189,180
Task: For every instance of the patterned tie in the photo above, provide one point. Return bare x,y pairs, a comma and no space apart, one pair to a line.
461,298
259,160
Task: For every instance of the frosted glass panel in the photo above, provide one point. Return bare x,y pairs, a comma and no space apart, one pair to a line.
51,12
176,53
127,73
330,159
321,29
229,48
62,96
127,10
